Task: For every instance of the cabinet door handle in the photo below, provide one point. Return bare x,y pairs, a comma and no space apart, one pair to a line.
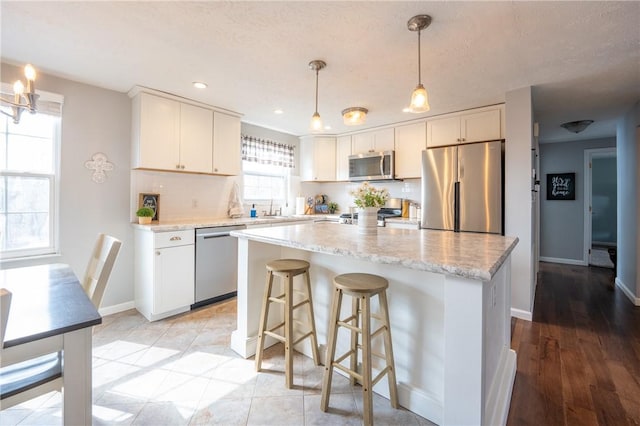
157,253
175,239
215,170
177,166
182,167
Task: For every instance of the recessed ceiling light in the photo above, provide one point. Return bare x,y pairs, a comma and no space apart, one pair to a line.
406,109
327,127
199,85
278,111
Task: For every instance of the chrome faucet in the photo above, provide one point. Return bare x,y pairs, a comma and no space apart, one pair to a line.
277,212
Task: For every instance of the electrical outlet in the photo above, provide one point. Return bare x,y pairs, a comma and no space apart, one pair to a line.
194,203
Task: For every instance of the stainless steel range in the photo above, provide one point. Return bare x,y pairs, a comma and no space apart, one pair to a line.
393,208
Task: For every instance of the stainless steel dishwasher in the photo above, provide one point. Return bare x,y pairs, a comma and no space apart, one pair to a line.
216,264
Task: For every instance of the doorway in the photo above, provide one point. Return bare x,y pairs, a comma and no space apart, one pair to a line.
600,215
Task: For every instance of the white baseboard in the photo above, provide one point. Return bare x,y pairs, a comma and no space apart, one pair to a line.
578,262
114,309
524,315
635,300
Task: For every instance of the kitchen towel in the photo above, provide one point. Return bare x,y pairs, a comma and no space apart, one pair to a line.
235,203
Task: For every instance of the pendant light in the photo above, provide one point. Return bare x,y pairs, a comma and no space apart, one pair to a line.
316,121
419,98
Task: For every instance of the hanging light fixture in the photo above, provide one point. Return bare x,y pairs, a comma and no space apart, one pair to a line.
316,121
576,126
19,95
419,98
354,116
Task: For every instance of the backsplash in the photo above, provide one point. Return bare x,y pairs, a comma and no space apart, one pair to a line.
193,196
339,191
184,196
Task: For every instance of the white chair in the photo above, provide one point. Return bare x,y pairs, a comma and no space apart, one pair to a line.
25,380
99,268
22,381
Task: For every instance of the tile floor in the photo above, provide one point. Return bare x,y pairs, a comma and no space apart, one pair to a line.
180,371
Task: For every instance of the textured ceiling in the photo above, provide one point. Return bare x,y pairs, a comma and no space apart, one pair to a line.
582,58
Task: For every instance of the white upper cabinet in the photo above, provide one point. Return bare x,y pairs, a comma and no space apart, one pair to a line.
411,140
156,133
181,137
318,159
482,125
226,145
196,134
375,141
343,151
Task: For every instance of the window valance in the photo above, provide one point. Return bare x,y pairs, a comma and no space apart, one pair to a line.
264,151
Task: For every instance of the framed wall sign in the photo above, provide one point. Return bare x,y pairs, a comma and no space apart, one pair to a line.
561,186
152,201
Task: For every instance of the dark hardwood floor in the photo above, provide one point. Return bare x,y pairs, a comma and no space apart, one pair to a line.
579,359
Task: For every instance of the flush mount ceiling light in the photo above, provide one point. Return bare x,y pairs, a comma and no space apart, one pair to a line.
19,95
419,98
316,121
576,126
354,116
199,85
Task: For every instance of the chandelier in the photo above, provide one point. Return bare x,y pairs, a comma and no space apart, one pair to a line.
23,99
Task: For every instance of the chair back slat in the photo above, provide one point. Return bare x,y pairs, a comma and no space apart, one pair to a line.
99,268
5,305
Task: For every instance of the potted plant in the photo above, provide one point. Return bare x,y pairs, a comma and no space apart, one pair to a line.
369,199
333,207
145,214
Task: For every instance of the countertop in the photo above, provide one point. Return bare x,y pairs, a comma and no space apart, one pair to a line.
468,255
187,224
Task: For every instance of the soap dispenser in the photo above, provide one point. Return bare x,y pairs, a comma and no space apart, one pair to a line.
253,211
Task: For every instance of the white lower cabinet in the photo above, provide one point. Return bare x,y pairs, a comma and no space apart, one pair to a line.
164,272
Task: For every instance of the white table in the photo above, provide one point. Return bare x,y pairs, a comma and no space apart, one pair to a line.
50,312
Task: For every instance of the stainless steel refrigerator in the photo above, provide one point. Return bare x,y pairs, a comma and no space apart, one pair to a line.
462,187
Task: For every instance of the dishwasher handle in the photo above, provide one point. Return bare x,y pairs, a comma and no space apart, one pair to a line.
214,235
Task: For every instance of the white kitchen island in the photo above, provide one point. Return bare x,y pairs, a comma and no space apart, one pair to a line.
449,302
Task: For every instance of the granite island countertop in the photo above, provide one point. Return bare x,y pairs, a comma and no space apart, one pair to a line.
467,255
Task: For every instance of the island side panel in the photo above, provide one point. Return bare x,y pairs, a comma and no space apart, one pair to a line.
252,259
479,364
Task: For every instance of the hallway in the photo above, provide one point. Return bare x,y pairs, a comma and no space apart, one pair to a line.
579,359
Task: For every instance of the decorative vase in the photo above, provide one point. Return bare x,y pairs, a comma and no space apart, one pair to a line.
142,220
368,221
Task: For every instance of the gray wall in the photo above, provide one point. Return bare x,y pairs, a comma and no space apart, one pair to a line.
628,152
604,220
562,221
93,120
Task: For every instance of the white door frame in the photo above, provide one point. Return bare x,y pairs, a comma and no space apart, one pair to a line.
589,155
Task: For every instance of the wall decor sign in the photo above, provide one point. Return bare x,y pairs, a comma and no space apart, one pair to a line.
99,164
152,201
561,186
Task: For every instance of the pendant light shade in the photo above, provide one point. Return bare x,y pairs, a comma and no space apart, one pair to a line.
419,97
419,100
316,121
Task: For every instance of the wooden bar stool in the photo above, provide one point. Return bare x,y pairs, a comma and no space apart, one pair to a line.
361,287
287,269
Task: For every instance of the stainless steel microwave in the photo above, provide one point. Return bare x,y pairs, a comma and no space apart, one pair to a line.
372,166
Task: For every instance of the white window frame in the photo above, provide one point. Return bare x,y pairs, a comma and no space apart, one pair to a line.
53,248
285,175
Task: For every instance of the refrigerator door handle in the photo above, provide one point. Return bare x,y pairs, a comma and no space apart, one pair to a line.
456,209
